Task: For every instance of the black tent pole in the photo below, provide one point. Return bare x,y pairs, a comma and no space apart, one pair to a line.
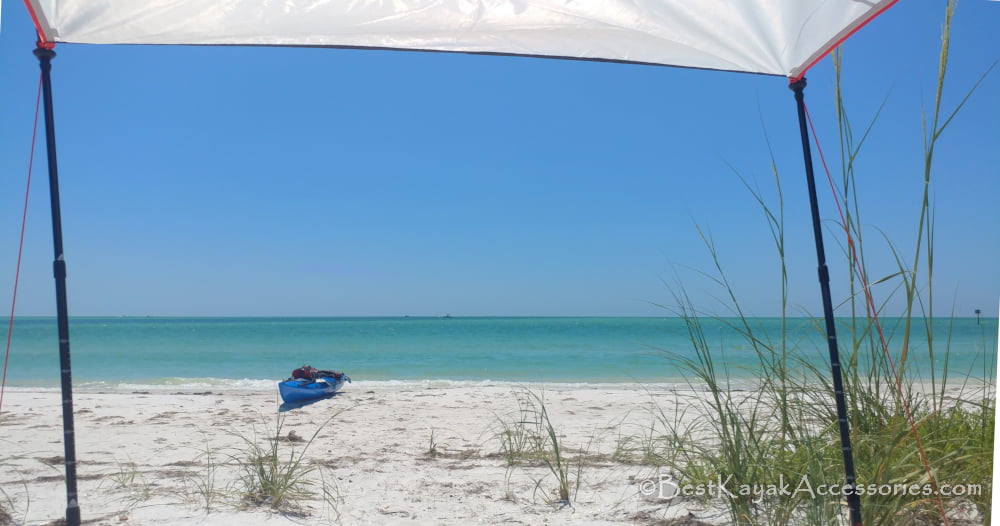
853,499
45,57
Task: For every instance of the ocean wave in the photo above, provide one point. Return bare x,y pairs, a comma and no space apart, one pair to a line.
176,384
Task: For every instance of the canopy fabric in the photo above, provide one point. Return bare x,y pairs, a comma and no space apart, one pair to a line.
774,37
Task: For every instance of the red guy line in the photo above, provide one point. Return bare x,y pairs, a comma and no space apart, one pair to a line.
878,325
20,246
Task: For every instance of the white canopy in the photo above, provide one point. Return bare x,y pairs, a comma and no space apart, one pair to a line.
775,37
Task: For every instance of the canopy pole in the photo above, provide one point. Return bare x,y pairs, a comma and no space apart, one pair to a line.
45,56
853,499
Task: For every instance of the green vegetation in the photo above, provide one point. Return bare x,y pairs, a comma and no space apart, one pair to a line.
128,478
528,438
204,489
782,430
270,477
513,434
126,475
271,470
432,447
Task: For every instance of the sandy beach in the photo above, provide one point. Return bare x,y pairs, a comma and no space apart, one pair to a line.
389,455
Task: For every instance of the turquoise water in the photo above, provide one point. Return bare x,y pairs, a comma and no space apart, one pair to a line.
252,352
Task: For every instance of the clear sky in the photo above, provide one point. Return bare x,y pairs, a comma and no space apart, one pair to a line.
267,181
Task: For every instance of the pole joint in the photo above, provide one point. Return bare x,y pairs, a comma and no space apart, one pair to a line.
797,86
44,54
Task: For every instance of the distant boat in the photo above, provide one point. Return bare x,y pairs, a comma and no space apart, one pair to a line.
447,316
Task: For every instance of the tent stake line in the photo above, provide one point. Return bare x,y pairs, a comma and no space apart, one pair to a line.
853,499
45,57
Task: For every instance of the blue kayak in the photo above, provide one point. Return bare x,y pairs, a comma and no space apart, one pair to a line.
300,390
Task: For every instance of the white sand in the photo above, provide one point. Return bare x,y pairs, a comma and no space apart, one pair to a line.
142,456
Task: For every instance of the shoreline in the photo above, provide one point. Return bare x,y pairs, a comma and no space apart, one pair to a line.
251,386
257,386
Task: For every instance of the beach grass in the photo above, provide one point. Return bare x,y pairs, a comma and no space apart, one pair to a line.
203,488
908,426
529,438
271,470
130,479
552,451
275,478
126,476
432,446
514,435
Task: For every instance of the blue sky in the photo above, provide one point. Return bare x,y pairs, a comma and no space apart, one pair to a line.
255,181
